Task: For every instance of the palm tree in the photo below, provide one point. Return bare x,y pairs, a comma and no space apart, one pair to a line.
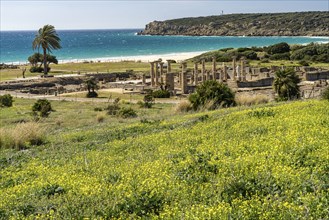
48,39
286,84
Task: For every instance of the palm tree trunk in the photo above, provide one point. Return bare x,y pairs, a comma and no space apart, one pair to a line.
45,61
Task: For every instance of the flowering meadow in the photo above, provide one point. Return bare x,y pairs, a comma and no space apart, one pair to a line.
265,162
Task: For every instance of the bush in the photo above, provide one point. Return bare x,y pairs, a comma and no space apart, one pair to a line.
325,94
38,69
161,94
127,113
278,48
212,94
22,136
6,100
280,56
148,101
43,107
92,94
113,109
303,63
184,106
100,117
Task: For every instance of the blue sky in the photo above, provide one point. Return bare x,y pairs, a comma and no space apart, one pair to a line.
107,14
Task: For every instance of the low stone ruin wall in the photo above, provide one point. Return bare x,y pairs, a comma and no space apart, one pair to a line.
312,76
257,83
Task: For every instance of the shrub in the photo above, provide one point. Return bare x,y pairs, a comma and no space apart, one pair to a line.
278,48
127,113
325,94
251,99
100,117
303,63
38,69
6,100
210,91
92,94
22,136
184,106
98,109
280,56
113,109
43,107
161,94
148,101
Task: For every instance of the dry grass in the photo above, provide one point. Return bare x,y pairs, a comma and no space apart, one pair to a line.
100,117
22,136
251,99
184,106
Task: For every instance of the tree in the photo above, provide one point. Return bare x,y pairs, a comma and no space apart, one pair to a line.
213,94
286,84
91,87
43,107
36,60
48,40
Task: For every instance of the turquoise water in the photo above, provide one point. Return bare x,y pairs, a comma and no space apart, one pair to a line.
16,46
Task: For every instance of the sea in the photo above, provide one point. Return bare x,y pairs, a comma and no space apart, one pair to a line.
125,44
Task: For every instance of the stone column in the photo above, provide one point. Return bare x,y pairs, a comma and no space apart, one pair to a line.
214,68
224,72
220,78
196,73
168,66
243,71
161,72
238,71
234,68
152,73
181,75
184,82
170,83
203,69
156,74
143,79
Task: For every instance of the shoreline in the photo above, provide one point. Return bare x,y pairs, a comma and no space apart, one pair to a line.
138,58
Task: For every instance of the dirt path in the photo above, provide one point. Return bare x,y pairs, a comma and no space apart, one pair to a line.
76,99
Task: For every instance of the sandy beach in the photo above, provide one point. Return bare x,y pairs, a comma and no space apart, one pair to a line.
143,58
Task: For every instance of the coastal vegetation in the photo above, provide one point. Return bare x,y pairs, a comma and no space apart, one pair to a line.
48,40
260,162
278,52
298,55
257,24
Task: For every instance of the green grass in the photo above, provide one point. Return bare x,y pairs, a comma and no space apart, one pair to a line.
260,162
102,67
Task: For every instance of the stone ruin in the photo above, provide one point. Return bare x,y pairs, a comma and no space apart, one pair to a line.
239,76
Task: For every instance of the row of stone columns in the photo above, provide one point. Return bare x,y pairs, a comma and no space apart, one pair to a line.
239,72
157,72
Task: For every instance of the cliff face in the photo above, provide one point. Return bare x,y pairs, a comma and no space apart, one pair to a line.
276,24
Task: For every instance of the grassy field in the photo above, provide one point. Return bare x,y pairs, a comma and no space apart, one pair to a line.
138,67
263,162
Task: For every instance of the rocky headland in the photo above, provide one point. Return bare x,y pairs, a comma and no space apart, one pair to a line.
264,24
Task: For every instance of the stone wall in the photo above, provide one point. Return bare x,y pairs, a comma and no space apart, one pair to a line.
257,83
312,76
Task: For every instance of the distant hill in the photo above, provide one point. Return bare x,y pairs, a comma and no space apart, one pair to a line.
269,24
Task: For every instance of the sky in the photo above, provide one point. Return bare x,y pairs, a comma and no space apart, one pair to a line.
109,14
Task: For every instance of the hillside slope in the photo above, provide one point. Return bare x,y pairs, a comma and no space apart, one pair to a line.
269,24
256,163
